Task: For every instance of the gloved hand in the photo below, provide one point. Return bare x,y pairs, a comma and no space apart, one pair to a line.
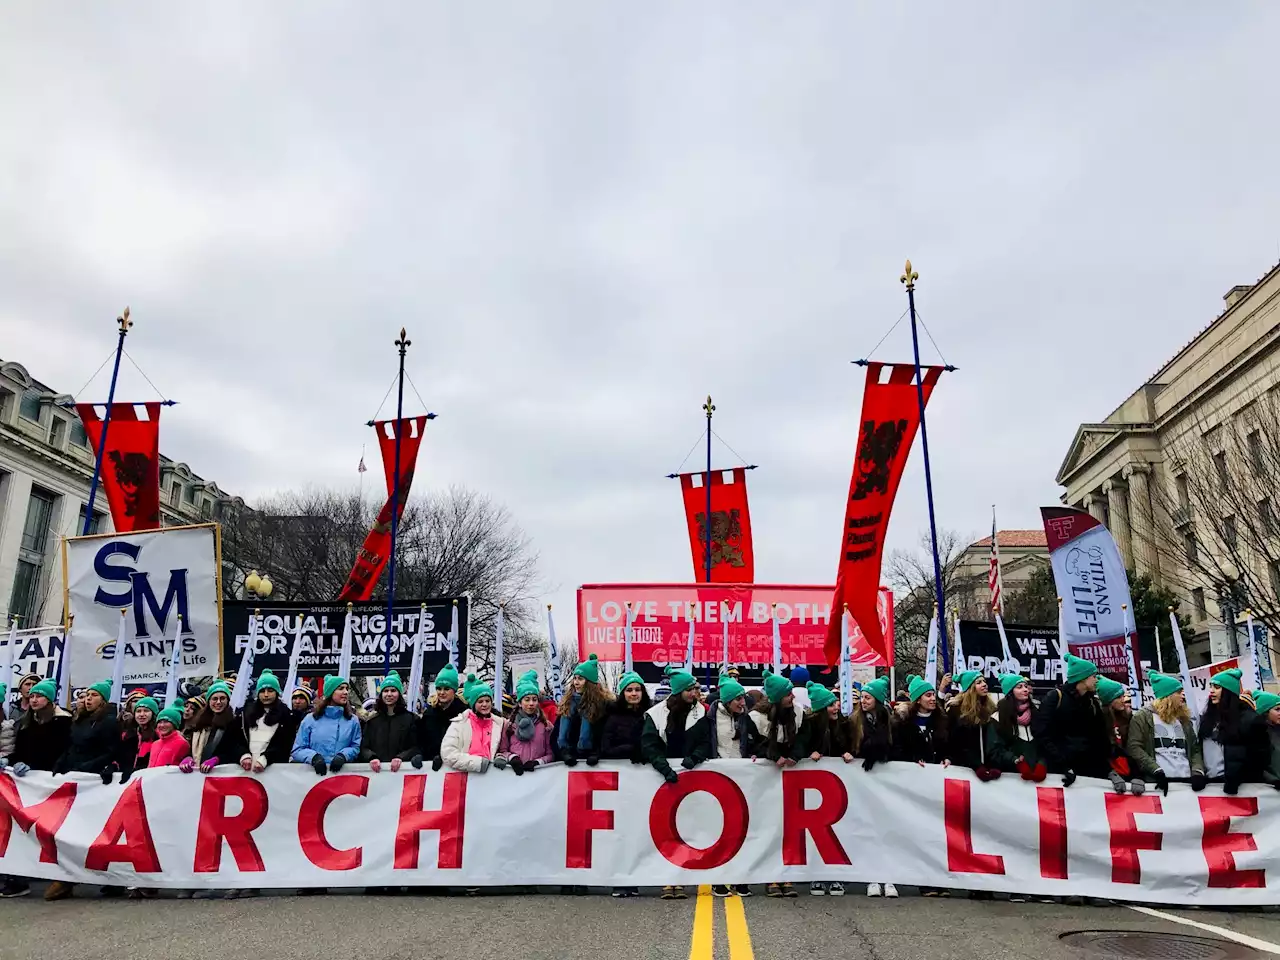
593,759
1039,772
484,765
1162,782
1198,781
125,774
317,764
983,773
1023,768
375,765
1117,782
395,764
867,764
336,763
670,777
1068,778
436,763
688,763
107,773
529,765
500,762
187,765
21,770
416,762
208,765
636,758
1137,787
1274,786
1231,788
993,773
4,764
517,765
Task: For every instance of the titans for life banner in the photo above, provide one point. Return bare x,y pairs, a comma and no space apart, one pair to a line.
732,554
1091,580
728,821
130,470
153,576
1035,647
37,651
321,641
890,418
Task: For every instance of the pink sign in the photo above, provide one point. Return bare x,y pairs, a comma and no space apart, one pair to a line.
661,613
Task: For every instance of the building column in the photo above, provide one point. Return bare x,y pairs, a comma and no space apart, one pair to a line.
1118,509
1093,503
1146,558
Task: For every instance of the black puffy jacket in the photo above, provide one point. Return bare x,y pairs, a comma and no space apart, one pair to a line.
1072,732
94,743
388,736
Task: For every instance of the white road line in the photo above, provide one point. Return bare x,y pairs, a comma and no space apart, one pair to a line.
1254,942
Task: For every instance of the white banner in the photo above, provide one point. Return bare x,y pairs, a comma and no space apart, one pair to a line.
153,575
1198,696
729,821
36,651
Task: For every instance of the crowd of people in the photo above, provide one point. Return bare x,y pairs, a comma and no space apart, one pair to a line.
1087,727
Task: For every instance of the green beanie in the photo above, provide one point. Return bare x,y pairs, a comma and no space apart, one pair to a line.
467,684
1264,701
1010,680
218,686
819,696
776,687
172,714
1109,690
878,688
729,689
589,669
45,688
477,690
966,679
1078,669
102,687
267,681
1163,685
331,684
4,692
628,678
1227,680
529,684
447,678
392,680
917,687
150,704
680,680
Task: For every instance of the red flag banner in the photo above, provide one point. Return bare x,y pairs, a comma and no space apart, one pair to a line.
732,558
890,418
376,549
130,470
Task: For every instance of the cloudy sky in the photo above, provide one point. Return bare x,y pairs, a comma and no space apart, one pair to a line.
590,215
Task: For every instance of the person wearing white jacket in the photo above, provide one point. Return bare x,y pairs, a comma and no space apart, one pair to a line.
471,741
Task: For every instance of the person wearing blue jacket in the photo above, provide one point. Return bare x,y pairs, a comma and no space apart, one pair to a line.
329,735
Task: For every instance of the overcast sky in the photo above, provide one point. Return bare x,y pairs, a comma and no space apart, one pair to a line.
589,215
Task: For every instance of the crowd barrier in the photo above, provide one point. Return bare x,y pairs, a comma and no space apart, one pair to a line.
621,825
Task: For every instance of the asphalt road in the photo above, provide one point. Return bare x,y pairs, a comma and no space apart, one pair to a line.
549,925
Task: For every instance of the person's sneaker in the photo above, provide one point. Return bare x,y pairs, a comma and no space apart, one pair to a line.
773,890
817,889
874,890
742,891
891,891
1017,898
788,890
721,890
619,893
472,891
59,891
835,889
185,894
668,893
14,888
678,893
111,893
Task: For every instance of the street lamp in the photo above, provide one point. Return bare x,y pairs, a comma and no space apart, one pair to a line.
258,586
1232,598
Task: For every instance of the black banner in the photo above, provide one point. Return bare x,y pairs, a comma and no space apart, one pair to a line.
321,643
1036,650
750,675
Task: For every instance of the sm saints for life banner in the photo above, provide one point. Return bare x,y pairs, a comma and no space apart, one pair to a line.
732,554
890,418
728,821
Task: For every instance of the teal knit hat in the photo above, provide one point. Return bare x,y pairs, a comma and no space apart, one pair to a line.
150,704
218,686
331,684
1109,690
172,714
629,678
103,688
467,684
967,678
267,681
1163,685
527,684
1264,701
1010,680
589,669
878,688
729,689
447,678
819,696
477,690
45,688
679,679
1078,669
917,687
776,687
392,679
1227,680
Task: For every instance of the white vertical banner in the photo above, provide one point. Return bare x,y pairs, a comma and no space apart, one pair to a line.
453,638
688,651
556,665
119,657
958,664
1253,649
175,666
415,670
499,681
724,639
777,643
344,656
6,671
244,675
1011,664
295,651
1182,661
627,641
931,652
845,673
1135,681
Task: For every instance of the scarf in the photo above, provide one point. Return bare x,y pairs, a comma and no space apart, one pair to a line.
1024,713
526,726
481,736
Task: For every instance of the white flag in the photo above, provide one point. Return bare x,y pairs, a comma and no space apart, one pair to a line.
958,664
63,680
557,670
117,662
1010,664
1253,648
688,653
777,643
453,638
291,682
175,667
498,685
344,655
1182,663
626,645
931,652
724,663
846,667
244,676
1135,681
415,669
6,672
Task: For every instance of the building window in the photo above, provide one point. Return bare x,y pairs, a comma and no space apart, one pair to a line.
1229,532
57,432
1180,485
1189,547
29,407
95,526
78,437
176,496
189,494
24,601
1197,603
1266,516
35,532
26,589
206,508
1273,571
1220,468
1256,457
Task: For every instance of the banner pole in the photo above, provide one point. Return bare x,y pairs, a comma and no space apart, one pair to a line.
710,408
402,344
909,278
125,324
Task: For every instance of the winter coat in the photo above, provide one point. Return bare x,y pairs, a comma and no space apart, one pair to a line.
1141,745
41,745
768,751
169,751
455,749
8,736
1246,752
268,736
838,743
749,742
915,745
128,757
569,726
435,721
620,738
388,736
1271,772
538,747
658,747
332,733
966,741
1005,750
877,739
1073,733
221,744
93,744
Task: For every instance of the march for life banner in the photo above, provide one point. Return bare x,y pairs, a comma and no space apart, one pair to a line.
728,821
153,576
1089,574
660,622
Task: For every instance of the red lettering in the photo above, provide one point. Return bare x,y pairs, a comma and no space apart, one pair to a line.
47,816
583,818
215,825
666,836
958,813
797,821
311,822
1220,844
1126,838
449,820
127,823
1052,806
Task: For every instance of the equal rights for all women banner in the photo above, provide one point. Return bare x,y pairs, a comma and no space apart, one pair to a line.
725,822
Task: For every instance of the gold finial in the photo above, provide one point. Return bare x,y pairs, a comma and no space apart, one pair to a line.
1124,606
1059,601
455,603
709,407
909,277
350,607
257,611
548,608
124,321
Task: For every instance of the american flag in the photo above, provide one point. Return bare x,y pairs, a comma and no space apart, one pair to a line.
993,574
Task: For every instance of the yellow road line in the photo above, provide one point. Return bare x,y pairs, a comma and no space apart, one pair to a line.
735,922
704,925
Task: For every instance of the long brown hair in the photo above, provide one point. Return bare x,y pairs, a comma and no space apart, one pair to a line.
322,701
857,726
593,703
972,707
129,725
833,737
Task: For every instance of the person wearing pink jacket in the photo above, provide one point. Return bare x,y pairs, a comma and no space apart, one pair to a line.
526,739
170,747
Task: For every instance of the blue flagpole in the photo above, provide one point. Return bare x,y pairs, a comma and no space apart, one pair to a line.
909,278
125,324
710,408
403,344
